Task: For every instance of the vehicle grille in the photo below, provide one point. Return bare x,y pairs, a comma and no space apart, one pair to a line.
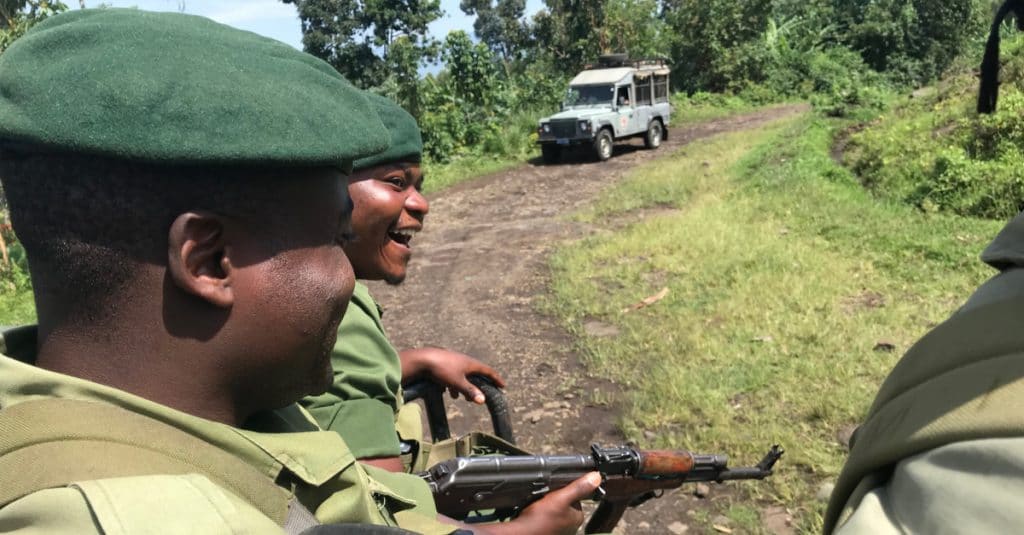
564,129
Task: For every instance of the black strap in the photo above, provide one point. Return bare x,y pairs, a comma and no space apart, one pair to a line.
988,92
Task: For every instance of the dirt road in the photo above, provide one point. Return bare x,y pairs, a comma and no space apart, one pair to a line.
478,267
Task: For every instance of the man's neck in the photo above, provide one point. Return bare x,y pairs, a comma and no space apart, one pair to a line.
153,366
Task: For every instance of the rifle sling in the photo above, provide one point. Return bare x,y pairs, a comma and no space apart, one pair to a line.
55,442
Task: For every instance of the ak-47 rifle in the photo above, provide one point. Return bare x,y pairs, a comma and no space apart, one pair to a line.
631,476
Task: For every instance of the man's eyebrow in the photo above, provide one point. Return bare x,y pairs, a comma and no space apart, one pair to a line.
408,173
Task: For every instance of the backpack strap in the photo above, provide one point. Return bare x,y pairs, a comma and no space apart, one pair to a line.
55,442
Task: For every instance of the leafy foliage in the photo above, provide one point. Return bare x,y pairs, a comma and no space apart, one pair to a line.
913,40
634,27
17,16
566,32
935,153
500,25
356,36
474,106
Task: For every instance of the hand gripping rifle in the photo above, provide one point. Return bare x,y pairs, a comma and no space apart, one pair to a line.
631,476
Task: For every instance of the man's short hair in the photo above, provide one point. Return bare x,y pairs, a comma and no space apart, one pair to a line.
87,222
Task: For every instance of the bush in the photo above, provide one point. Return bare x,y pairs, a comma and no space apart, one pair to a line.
935,153
957,183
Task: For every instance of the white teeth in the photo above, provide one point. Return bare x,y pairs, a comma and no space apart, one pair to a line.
408,233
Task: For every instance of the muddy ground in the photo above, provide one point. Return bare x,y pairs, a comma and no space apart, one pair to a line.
478,267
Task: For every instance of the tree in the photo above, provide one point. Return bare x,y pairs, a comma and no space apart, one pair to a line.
500,24
716,42
356,36
402,84
17,16
913,39
568,32
635,27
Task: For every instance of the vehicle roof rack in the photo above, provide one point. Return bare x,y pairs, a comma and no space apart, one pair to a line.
612,61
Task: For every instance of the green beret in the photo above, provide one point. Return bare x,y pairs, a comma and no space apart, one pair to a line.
406,143
178,89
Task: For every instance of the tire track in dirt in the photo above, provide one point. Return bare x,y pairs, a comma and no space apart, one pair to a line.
477,269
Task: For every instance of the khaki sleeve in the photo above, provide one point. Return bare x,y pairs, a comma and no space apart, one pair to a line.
161,504
362,401
965,487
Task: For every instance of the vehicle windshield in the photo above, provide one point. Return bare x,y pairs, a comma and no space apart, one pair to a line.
589,95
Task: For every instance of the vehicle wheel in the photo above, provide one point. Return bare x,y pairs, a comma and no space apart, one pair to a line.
551,153
653,138
603,145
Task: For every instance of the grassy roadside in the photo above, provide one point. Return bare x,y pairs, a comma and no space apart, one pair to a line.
438,176
786,282
701,107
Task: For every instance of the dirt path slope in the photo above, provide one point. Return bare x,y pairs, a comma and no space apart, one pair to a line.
478,267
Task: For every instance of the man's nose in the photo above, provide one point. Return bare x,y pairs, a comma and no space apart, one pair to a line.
417,203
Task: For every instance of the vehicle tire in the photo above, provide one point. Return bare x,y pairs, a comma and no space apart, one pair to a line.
551,153
603,145
654,135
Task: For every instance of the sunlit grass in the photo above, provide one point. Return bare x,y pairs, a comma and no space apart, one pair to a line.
783,277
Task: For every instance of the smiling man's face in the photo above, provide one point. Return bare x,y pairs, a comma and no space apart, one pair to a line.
389,211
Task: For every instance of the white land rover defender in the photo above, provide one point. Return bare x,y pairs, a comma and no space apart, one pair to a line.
617,99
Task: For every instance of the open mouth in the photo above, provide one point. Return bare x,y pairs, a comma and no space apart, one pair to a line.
402,236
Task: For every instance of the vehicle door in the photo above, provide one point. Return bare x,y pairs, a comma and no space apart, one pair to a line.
626,111
643,103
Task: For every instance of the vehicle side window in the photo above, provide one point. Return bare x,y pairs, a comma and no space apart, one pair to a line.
643,91
623,97
660,87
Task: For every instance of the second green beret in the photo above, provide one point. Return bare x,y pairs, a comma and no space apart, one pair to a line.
178,89
406,143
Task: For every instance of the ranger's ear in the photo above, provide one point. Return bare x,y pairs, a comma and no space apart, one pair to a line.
197,258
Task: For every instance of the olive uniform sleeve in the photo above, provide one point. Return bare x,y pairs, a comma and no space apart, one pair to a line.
965,487
362,402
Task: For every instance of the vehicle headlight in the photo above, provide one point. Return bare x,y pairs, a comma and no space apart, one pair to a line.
585,126
545,127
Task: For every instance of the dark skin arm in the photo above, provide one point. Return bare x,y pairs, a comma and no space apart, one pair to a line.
448,368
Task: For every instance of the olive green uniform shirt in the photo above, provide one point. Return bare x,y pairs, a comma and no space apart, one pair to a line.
365,398
329,482
971,485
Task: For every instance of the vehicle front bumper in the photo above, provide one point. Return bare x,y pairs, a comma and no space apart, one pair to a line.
565,132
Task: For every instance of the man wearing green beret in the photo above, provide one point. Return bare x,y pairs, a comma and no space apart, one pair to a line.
364,403
179,188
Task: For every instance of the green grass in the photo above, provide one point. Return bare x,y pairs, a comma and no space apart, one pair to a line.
438,176
784,274
701,107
